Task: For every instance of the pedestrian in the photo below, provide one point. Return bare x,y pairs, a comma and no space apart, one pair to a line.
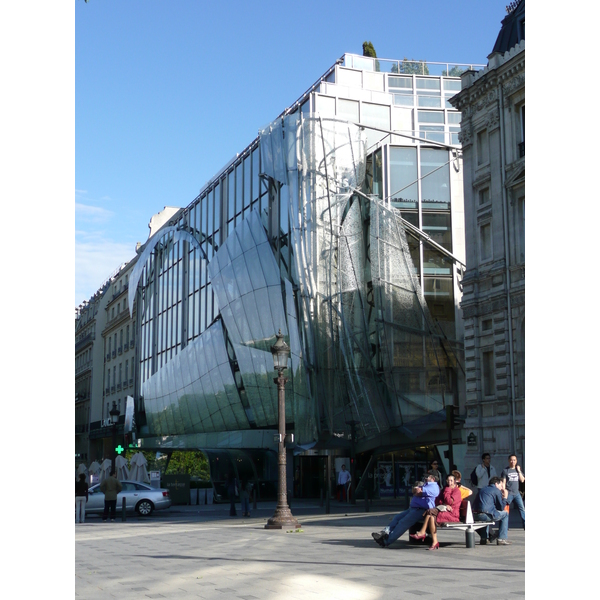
433,469
232,492
81,497
485,471
245,497
110,487
344,480
489,506
511,477
424,495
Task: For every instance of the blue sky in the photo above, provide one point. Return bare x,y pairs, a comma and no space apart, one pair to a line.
167,92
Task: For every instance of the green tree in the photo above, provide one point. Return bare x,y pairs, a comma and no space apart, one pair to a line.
190,463
369,50
411,66
455,71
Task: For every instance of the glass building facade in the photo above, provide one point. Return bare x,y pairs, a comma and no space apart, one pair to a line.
341,225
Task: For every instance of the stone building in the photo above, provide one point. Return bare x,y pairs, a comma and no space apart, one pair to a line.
492,104
89,322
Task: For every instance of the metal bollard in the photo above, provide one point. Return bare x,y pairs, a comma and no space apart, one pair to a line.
254,498
123,517
366,500
327,507
470,538
322,497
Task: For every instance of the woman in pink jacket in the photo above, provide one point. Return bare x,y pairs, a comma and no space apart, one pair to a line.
447,510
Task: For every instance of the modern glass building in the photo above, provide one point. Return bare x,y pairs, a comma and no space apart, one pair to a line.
341,225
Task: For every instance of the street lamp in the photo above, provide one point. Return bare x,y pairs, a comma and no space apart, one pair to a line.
114,417
282,517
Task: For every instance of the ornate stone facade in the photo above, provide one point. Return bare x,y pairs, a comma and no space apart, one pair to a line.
492,102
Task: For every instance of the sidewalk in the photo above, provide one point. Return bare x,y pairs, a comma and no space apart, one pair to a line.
201,552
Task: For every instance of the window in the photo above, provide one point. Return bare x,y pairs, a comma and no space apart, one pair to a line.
402,89
521,132
348,109
429,92
521,220
484,196
486,325
454,119
435,179
376,115
487,373
451,87
403,177
431,132
437,226
483,150
485,241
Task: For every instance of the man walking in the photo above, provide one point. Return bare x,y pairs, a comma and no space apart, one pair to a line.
110,487
489,506
343,481
511,477
423,498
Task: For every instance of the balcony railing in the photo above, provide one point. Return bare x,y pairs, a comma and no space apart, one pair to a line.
407,67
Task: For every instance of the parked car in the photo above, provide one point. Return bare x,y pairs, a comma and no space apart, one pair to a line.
139,497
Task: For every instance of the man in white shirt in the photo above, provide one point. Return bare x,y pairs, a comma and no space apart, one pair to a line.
344,481
485,471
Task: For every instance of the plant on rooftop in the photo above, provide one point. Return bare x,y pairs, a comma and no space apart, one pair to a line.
411,66
369,50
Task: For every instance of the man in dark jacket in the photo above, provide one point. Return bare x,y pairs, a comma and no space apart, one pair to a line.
81,497
110,487
489,506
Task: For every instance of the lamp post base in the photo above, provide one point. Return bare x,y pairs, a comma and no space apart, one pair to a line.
282,519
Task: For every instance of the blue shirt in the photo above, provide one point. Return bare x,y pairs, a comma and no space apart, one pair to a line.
431,490
489,499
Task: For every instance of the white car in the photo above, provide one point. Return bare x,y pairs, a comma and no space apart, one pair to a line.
139,497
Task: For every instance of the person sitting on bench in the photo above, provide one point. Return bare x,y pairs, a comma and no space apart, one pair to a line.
447,510
489,506
465,492
423,498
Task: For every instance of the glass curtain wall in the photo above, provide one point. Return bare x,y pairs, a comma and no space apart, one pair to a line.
176,293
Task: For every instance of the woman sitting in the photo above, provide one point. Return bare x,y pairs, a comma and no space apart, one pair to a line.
446,511
465,492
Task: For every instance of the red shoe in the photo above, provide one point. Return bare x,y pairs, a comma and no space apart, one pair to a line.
434,547
416,536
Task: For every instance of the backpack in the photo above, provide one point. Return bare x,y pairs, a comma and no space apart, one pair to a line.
474,478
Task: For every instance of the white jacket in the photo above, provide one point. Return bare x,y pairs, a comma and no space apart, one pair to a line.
483,479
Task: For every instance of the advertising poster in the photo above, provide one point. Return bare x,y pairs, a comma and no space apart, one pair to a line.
401,475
